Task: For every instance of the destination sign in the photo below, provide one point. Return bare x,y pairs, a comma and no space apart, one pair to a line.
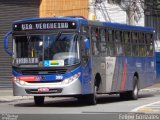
21,61
50,25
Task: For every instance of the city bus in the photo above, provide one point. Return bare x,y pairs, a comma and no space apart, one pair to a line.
76,57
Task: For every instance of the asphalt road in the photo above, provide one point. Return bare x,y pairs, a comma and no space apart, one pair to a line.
108,107
105,104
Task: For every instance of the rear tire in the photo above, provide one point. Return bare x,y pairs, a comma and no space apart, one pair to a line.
134,93
39,100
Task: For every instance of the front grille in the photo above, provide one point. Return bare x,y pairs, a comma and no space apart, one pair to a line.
43,72
49,81
35,91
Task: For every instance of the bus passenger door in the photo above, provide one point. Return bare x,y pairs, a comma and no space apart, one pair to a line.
86,65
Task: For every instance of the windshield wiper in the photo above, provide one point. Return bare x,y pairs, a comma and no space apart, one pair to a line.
57,37
59,34
29,40
28,37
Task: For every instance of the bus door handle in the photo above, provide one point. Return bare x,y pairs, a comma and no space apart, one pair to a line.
6,48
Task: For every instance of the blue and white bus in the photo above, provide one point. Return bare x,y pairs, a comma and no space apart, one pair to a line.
72,56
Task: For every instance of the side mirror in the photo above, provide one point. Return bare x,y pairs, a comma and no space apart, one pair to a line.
6,40
87,43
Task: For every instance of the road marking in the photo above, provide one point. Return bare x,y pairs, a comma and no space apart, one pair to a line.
148,107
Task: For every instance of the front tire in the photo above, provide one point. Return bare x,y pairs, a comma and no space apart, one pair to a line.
39,100
92,98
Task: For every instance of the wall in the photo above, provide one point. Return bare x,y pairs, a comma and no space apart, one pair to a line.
50,8
11,10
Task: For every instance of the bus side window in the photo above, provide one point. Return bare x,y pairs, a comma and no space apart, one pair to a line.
118,43
149,44
127,45
103,43
110,43
142,48
84,52
134,42
85,29
95,41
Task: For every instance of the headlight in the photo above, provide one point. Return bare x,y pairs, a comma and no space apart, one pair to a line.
21,82
70,79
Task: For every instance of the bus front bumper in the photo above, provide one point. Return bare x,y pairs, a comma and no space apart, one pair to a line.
47,89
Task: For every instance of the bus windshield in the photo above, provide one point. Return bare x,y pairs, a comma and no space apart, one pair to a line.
58,49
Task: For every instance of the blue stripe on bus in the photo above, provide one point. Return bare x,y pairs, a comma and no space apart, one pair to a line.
52,77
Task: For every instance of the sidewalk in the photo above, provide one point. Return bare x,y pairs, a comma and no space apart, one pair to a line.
153,88
7,96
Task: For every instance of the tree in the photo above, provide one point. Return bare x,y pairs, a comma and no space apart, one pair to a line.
133,9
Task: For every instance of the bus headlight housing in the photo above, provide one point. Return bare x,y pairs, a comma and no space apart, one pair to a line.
70,79
22,80
17,80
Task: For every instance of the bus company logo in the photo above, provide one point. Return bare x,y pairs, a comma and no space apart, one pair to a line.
139,65
40,78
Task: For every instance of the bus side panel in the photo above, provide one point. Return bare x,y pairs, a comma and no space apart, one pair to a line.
119,74
123,74
150,72
144,67
87,81
146,71
104,66
126,68
157,55
130,70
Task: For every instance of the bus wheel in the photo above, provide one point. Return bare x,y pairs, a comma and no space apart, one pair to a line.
92,98
39,100
134,93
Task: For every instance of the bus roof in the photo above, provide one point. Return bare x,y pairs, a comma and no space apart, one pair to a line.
84,21
128,27
52,18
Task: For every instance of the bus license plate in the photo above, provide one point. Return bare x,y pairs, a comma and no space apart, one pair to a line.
43,90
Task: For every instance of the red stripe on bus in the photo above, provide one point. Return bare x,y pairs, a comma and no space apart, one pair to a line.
27,78
123,77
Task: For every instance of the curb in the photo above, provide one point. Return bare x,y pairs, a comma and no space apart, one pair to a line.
14,98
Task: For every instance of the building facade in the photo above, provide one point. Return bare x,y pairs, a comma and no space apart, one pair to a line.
11,10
